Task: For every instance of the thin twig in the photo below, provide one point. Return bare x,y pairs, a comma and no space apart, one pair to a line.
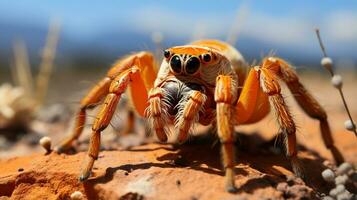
237,25
340,88
46,65
22,75
320,42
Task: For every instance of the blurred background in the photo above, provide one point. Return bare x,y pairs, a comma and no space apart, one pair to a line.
51,52
93,34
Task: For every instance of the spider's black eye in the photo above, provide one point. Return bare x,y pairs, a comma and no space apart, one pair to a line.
207,57
192,65
167,53
175,64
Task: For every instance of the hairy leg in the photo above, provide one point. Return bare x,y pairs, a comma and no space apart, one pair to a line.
224,97
143,60
270,85
89,101
307,102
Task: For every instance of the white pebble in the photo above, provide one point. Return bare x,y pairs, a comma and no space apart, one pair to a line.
340,189
45,142
333,192
328,175
336,81
349,125
341,180
326,62
344,168
327,198
77,195
344,196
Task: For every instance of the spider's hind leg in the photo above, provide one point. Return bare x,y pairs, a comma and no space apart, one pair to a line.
270,85
307,102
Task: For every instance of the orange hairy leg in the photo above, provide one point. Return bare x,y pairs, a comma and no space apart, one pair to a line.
190,114
270,84
306,101
224,97
117,88
89,101
143,60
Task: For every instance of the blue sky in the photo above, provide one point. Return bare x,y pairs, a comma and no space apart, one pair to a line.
287,24
90,17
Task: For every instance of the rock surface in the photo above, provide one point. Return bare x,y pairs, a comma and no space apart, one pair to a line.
162,171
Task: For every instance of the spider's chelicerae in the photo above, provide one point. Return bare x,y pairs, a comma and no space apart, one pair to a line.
203,82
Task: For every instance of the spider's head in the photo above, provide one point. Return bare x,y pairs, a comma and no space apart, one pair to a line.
193,62
188,68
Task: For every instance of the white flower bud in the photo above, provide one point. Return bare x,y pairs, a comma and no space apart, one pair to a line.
345,196
77,195
328,175
344,168
337,81
326,62
327,198
340,189
45,142
341,180
333,192
349,125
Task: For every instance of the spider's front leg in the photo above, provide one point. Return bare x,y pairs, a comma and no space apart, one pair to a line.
225,95
141,77
144,61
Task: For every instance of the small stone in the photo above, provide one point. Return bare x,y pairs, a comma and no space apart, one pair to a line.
336,81
341,180
344,168
45,142
77,195
327,198
333,192
328,175
344,196
340,189
349,125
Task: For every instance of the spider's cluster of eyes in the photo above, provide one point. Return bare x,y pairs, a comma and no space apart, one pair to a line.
191,66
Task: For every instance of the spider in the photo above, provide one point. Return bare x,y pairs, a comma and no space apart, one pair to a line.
203,82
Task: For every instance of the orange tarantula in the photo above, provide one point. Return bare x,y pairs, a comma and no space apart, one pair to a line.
200,83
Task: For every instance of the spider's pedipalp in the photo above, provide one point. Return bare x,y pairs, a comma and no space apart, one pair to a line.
189,114
157,114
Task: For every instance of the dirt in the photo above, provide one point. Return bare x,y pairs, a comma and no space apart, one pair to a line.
165,171
134,167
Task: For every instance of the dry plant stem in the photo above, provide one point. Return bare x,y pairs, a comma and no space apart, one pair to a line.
241,15
22,74
339,89
46,66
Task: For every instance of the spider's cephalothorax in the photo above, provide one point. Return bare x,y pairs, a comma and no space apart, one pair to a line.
198,83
